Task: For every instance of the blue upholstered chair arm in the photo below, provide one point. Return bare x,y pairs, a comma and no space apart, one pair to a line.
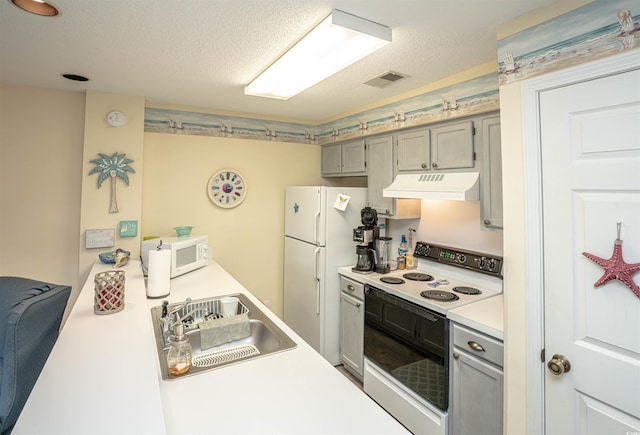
30,316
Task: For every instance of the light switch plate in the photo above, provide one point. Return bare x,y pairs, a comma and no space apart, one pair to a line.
128,228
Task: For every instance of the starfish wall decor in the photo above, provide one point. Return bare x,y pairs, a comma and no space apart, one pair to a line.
616,268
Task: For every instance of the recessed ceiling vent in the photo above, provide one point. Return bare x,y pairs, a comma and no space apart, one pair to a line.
386,79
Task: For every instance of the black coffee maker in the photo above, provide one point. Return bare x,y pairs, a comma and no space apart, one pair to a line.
365,235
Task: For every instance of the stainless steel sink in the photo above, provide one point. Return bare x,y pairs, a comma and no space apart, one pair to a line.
266,338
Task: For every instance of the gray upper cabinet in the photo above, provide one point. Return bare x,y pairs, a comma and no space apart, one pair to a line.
346,159
381,173
354,157
491,174
452,146
331,160
414,151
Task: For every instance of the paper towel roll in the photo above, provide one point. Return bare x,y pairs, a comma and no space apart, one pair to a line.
159,274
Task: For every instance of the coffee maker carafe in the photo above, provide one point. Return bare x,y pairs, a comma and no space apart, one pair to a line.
365,259
383,250
366,235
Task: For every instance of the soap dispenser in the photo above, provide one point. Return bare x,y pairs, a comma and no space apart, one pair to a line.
179,355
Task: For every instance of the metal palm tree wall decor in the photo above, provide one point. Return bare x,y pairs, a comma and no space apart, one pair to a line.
115,166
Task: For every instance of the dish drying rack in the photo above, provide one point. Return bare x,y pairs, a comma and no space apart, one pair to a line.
194,313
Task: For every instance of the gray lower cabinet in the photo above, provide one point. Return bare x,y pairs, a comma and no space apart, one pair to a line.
352,326
491,174
476,398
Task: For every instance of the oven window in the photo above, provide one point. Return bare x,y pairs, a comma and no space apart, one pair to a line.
425,375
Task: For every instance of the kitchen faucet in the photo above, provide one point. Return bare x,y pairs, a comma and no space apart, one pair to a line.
171,319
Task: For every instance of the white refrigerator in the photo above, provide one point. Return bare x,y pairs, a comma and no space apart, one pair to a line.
318,240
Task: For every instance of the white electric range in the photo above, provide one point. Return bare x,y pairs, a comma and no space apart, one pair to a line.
450,277
406,330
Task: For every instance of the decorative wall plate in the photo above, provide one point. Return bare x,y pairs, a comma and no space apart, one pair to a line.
226,188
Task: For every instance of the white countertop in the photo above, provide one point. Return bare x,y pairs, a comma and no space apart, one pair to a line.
485,316
103,377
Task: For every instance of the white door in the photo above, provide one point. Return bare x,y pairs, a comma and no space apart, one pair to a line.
590,145
302,265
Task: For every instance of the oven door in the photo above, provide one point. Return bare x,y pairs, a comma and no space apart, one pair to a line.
408,342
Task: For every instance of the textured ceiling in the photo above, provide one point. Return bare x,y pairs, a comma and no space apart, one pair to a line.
202,52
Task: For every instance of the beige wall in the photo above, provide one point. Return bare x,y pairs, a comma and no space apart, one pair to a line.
515,224
246,240
41,140
100,137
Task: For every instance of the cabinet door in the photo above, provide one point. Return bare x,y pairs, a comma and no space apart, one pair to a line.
352,333
380,174
414,152
491,174
452,146
353,157
476,396
331,160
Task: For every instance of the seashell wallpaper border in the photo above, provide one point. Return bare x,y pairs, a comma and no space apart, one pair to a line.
600,29
463,99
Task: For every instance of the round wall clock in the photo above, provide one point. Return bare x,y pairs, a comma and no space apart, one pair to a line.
226,188
116,119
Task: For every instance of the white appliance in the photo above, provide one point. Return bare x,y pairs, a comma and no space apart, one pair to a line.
318,240
456,186
187,253
407,310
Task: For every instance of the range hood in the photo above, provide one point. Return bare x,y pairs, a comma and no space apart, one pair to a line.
458,186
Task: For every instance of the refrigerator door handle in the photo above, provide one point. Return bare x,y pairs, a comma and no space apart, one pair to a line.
315,227
317,278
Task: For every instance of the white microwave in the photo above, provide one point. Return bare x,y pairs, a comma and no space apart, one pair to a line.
187,253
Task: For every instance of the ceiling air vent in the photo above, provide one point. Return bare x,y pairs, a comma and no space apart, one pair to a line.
386,79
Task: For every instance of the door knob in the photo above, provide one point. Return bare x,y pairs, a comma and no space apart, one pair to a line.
559,364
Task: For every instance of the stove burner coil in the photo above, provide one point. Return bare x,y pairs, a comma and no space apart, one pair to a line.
467,290
415,276
391,280
439,295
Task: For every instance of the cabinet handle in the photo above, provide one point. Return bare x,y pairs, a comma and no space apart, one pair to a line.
487,222
475,346
456,355
434,164
354,303
350,287
424,166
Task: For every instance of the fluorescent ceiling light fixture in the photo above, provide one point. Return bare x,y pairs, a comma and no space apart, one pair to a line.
337,42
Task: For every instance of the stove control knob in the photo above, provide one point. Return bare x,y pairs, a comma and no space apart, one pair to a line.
462,258
492,264
483,261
